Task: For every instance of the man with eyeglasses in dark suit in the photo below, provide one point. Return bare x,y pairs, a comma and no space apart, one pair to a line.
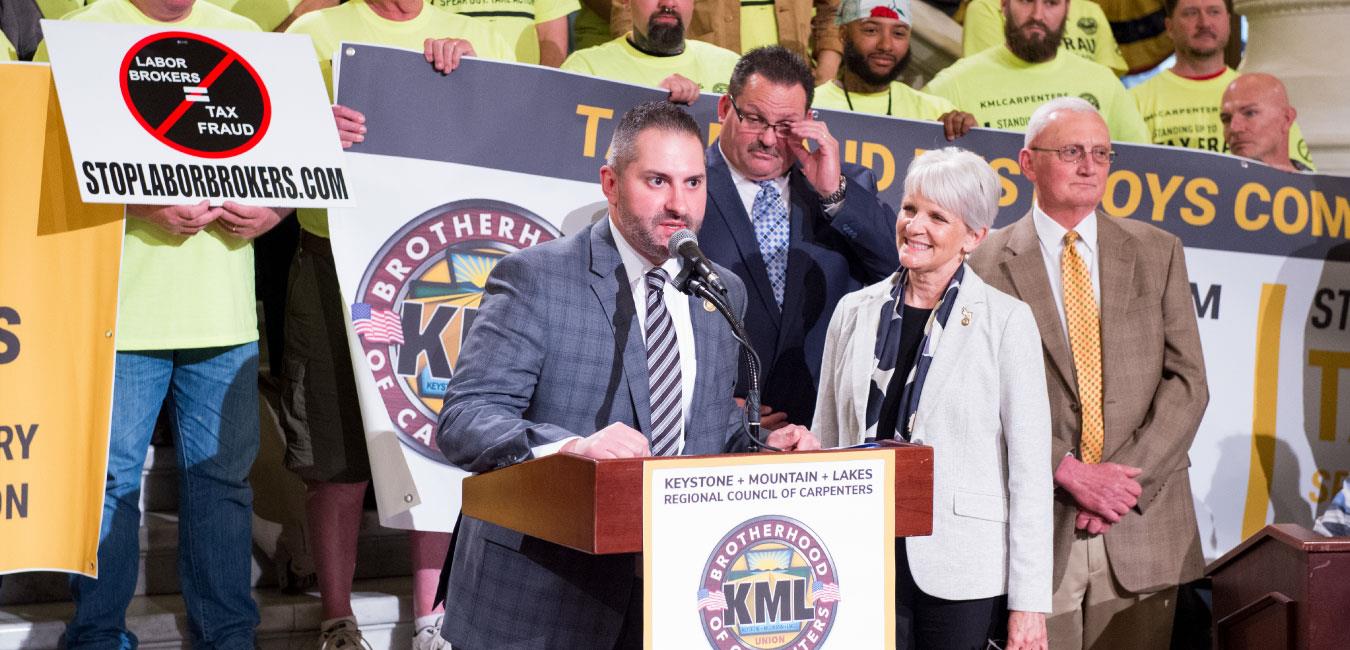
797,227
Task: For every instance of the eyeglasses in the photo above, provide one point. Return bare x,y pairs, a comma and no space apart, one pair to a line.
756,124
1072,153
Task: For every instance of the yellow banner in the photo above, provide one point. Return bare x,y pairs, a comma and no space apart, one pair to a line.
59,262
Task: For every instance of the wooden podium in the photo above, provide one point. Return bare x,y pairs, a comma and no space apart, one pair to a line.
595,506
1284,587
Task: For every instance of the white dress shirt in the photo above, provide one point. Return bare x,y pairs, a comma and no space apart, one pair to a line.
1051,235
677,305
748,189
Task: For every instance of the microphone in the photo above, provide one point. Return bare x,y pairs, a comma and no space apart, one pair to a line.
699,279
685,244
700,283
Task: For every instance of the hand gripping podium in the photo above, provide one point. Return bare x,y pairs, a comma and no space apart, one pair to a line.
1284,587
595,506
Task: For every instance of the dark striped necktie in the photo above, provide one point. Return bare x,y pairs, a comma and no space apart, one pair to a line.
663,369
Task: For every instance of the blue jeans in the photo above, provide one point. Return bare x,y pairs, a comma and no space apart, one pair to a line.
214,403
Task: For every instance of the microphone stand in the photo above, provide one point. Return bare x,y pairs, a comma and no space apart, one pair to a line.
697,286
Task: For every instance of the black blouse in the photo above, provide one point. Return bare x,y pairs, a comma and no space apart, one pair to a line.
911,335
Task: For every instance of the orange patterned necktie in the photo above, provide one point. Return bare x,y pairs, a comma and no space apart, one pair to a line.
1085,339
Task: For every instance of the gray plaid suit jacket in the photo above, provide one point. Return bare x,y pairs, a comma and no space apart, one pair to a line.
556,351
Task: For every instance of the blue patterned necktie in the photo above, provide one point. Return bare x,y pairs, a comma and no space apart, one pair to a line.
663,369
770,217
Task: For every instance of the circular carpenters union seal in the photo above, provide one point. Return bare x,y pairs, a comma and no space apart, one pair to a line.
769,584
419,296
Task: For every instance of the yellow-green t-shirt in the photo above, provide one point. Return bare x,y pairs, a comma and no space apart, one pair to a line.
1087,32
1002,91
705,64
355,22
759,24
899,101
589,30
1181,112
54,9
7,51
267,13
514,19
180,292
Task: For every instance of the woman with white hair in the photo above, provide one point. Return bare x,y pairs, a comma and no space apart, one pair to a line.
932,355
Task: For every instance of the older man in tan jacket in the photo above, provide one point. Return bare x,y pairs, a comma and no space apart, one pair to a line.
1126,382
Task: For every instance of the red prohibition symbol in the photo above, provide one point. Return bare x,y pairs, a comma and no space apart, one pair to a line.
195,94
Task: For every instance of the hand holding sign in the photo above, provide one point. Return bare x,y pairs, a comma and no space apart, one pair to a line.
956,124
351,125
682,90
250,221
185,220
443,53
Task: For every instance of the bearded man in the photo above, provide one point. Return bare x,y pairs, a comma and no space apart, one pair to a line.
656,53
876,51
1003,86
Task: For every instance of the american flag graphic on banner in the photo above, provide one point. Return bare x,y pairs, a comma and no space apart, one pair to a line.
713,600
825,592
376,325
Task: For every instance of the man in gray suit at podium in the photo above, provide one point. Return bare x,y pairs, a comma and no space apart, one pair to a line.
583,345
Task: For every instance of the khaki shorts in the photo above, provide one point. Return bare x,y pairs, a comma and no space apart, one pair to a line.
320,412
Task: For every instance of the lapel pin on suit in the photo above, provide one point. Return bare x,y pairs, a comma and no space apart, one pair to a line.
708,306
965,316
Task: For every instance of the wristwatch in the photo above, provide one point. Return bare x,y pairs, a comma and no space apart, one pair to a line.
838,196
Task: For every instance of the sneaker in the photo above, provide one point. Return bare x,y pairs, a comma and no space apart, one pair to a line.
428,637
341,634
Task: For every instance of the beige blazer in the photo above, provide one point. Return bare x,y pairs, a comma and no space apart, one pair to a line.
1153,387
984,413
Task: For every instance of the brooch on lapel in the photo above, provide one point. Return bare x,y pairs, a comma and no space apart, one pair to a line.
965,315
708,306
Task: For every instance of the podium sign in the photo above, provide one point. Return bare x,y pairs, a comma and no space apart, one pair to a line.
770,551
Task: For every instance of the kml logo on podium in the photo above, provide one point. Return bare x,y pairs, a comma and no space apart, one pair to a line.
168,80
419,296
769,584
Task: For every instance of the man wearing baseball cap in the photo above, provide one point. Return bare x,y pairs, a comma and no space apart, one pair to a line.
875,34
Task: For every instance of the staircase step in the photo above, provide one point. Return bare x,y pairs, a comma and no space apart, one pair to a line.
159,481
383,609
381,552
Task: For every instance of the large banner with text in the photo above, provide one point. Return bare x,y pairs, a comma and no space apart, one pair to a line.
495,157
58,309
